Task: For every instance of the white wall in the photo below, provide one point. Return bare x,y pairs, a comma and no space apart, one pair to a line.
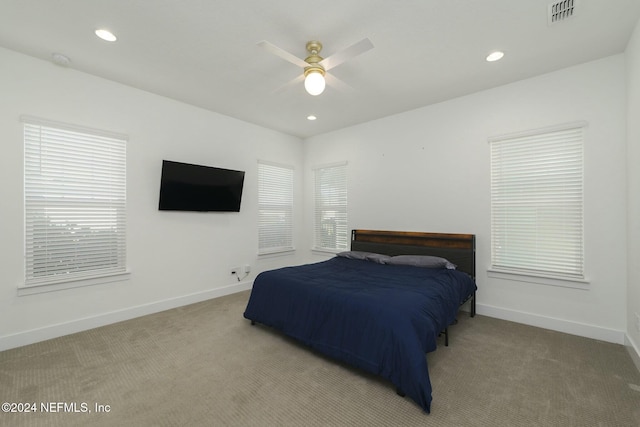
428,170
423,170
175,257
633,191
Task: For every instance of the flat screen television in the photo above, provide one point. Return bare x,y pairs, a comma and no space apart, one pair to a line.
188,187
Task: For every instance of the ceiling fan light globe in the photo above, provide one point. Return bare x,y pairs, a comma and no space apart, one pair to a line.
314,83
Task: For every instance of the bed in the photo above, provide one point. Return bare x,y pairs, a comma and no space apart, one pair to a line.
365,309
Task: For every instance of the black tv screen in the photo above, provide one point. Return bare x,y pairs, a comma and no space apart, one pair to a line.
187,187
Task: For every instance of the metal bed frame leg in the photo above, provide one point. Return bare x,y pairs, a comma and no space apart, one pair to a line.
473,305
472,314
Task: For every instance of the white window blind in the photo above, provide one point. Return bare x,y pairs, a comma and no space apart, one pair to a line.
75,202
275,208
537,203
331,208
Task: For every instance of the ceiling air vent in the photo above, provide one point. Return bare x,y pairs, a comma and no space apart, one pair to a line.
561,10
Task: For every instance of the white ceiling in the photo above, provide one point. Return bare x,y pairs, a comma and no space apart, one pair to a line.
204,52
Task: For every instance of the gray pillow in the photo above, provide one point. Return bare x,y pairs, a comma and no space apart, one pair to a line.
421,261
367,256
354,254
378,258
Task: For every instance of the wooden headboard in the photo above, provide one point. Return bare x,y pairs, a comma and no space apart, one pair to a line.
460,249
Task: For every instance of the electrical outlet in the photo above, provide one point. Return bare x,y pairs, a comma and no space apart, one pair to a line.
235,271
247,269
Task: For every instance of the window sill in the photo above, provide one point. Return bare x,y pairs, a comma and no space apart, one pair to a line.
278,252
325,251
541,280
52,287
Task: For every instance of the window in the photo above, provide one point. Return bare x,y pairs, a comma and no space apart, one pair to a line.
275,208
537,203
75,203
331,208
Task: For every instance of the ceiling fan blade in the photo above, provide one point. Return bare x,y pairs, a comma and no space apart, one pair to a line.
289,84
282,54
336,83
346,53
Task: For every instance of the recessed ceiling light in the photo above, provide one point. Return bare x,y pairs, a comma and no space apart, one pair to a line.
106,35
494,56
311,117
60,59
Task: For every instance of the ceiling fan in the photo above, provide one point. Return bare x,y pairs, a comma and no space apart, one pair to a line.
315,67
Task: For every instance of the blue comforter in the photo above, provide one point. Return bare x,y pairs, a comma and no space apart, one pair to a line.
380,318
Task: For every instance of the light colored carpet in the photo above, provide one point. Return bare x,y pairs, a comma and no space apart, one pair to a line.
205,365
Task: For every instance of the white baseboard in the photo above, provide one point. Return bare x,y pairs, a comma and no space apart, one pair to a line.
53,331
560,325
633,350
